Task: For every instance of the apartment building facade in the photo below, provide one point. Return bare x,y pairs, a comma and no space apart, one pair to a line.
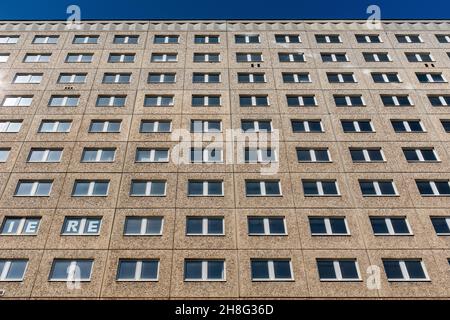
92,205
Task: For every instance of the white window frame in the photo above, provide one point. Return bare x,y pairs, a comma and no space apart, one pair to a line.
85,39
4,57
205,271
45,155
390,227
376,186
442,100
296,77
329,230
111,98
5,271
369,40
301,102
72,271
5,126
340,77
65,99
206,76
271,269
117,77
430,77
206,97
405,272
122,57
148,188
247,38
206,37
206,57
348,100
338,272
126,39
166,38
9,39
366,155
397,102
292,54
162,77
46,39
418,56
90,192
205,229
21,226
248,57
376,56
144,224
266,225
82,226
205,126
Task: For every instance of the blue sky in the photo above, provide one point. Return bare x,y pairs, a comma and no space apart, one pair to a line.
223,9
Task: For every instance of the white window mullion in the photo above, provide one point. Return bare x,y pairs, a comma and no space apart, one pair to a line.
271,269
5,270
377,188
337,270
434,188
319,188
389,226
366,154
404,270
144,222
262,185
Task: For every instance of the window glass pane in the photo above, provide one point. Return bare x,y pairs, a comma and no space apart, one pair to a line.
154,225
338,225
317,225
138,188
440,225
195,188
193,270
329,188
375,155
60,270
379,226
214,188
252,188
367,188
357,155
194,225
255,225
310,188
392,269
133,225
158,188
149,270
415,269
348,269
127,270
31,226
100,188
282,269
303,155
272,188
215,225
81,188
424,188
276,226
326,269
43,189
215,269
443,187
10,226
260,269
322,155
386,187
85,269
16,270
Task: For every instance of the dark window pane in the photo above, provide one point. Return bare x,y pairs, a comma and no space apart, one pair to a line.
338,226
260,269
326,269
415,269
392,269
348,269
317,225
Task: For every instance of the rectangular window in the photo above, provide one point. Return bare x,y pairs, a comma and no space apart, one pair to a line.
206,101
407,126
206,126
206,155
44,155
37,57
148,188
260,155
368,38
17,101
392,226
110,78
251,77
158,101
249,57
121,57
301,101
441,225
206,77
405,270
396,100
48,126
377,188
299,77
376,57
266,226
320,188
4,154
435,77
206,39
291,57
349,100
64,101
204,270
328,226
198,226
367,155
33,188
79,57
265,188
165,39
98,155
271,270
433,188
205,188
160,126
307,126
161,78
143,226
313,155
334,57
45,39
357,126
66,78
10,126
90,188
122,39
247,38
419,57
206,57
389,77
80,226
71,270
439,100
164,57
81,39
12,270
338,270
111,101
28,78
9,39
20,226
328,38
287,38
152,155
98,126
137,270
420,155
341,77
256,126
408,38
